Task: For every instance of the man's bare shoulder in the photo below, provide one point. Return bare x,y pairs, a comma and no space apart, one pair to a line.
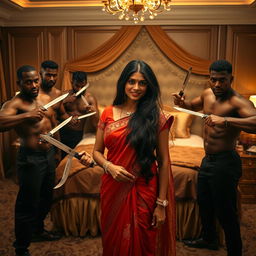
15,101
207,92
244,106
57,92
238,100
13,104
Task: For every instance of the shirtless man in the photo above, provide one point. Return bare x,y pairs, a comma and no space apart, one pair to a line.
35,164
48,92
229,114
72,134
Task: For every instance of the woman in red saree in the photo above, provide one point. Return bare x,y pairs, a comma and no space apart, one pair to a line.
137,183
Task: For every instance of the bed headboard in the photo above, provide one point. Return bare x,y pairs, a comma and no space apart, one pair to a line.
169,75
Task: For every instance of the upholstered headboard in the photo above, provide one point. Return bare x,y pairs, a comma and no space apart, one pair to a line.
169,75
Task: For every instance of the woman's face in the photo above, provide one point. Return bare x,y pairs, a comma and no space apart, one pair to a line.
136,87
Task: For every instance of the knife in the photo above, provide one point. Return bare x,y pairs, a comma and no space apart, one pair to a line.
86,115
60,145
191,112
185,81
53,102
71,153
55,129
60,126
82,89
65,172
84,100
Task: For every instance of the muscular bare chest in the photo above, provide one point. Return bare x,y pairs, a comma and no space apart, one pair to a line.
219,108
77,107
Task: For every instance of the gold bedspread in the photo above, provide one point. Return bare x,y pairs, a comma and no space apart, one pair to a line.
76,207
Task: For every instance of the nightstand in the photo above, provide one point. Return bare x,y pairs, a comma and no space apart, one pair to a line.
247,182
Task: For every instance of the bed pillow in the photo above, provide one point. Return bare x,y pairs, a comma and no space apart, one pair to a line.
181,123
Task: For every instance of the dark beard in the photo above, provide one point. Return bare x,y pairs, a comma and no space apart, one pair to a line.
47,85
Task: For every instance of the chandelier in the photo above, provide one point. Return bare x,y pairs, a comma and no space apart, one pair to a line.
136,10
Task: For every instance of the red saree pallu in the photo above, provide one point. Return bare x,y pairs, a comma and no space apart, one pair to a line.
127,207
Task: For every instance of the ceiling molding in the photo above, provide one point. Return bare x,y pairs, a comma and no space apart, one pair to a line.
81,3
13,16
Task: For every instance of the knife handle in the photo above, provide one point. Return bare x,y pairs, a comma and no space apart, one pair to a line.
181,93
76,155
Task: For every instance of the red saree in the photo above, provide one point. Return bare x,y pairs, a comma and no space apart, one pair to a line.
127,208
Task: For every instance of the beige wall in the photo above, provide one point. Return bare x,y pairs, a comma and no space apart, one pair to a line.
32,45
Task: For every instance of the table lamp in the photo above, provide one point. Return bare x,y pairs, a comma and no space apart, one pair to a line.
253,99
247,139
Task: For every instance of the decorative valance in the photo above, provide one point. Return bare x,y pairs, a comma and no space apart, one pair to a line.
107,53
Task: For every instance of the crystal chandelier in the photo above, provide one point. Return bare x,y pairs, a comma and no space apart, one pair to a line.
136,10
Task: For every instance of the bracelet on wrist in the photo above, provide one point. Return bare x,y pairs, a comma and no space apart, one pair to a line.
105,166
161,202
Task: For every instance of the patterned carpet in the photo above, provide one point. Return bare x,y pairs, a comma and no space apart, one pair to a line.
72,246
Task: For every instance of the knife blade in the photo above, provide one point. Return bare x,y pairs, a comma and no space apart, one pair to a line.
60,126
191,112
82,89
53,102
71,153
84,100
60,145
65,172
86,115
185,81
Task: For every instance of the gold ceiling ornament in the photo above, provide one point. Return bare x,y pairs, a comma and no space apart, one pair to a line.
136,10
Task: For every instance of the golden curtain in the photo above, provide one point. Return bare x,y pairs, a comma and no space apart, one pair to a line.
104,55
176,54
108,52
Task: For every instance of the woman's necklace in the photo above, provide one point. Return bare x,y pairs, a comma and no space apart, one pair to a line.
125,113
128,113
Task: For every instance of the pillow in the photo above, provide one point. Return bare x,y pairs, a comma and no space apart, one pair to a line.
181,123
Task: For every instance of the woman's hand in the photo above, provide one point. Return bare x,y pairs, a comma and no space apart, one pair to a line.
120,174
158,216
86,159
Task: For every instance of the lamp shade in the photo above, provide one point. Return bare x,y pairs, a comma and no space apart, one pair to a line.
253,99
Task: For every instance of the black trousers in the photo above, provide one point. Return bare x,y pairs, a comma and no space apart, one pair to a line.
36,175
217,198
70,138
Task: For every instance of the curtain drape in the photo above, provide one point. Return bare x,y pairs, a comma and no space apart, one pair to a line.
3,98
104,55
176,54
108,52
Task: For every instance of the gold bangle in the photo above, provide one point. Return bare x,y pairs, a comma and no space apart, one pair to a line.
105,166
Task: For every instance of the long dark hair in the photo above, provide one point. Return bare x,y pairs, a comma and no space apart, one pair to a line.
143,125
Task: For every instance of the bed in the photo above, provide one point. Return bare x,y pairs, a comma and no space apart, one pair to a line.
76,207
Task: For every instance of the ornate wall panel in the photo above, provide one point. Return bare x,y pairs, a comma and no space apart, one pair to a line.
241,42
56,49
82,40
25,47
201,41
